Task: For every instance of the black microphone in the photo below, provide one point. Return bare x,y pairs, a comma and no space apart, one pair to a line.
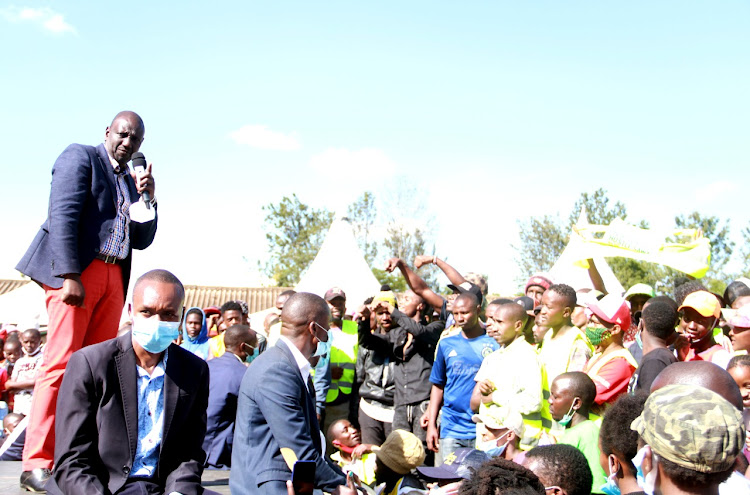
139,165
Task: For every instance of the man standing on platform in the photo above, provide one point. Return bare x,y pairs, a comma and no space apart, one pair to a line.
81,257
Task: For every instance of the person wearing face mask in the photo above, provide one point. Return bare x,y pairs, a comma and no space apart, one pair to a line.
132,410
276,407
619,444
571,397
503,430
612,365
226,373
689,439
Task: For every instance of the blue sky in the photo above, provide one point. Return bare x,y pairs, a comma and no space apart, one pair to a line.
494,110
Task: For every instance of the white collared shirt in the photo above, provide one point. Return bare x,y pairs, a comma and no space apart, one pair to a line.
302,363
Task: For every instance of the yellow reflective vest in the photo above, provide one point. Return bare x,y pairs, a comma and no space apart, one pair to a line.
344,354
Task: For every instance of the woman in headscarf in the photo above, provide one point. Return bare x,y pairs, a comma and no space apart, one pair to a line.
196,333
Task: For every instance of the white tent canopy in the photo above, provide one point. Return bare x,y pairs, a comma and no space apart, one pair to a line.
340,263
565,271
24,306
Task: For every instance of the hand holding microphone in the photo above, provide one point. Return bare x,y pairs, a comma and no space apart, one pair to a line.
144,180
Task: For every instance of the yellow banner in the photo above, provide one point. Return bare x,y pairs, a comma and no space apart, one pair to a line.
685,250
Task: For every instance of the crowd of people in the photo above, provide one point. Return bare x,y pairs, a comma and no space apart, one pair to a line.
556,389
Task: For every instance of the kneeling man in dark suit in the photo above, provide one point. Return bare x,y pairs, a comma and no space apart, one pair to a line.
131,414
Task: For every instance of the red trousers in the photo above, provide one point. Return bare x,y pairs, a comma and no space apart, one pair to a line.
70,328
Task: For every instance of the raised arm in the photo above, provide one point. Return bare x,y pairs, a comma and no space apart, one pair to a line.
450,272
415,283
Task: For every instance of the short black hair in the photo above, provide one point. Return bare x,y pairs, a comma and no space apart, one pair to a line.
230,306
500,301
734,290
564,466
687,479
235,335
473,300
737,361
684,290
567,292
581,385
34,333
615,434
659,318
499,476
159,275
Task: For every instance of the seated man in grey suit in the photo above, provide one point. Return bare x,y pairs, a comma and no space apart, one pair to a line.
131,414
276,407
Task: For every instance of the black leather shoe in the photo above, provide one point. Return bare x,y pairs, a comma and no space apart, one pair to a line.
35,480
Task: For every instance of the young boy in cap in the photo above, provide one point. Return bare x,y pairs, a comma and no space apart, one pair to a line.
503,430
612,365
689,440
699,315
401,452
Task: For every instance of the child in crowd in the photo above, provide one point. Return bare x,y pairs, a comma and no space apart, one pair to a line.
24,372
352,455
571,397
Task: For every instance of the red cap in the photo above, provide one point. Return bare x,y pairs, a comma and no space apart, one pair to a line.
612,309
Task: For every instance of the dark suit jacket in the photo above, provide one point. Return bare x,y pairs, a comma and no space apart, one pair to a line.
225,373
275,410
96,427
82,210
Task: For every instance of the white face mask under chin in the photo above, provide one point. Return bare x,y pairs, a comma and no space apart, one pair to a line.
647,482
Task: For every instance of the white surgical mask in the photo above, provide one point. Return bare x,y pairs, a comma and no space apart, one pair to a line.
647,482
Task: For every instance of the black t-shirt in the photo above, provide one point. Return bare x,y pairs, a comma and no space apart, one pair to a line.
651,365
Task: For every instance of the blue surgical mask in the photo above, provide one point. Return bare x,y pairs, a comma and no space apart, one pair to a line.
491,448
610,487
153,334
324,348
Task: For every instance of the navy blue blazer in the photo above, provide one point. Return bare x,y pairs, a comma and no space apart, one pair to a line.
225,373
82,210
96,427
275,410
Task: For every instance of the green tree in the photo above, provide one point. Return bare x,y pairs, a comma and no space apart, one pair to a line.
745,252
721,245
542,242
597,207
295,233
362,214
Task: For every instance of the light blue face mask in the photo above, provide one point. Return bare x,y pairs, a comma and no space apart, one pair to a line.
491,448
153,334
610,487
323,348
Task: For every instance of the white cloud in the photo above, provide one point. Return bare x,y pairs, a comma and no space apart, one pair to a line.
46,18
369,163
715,190
260,136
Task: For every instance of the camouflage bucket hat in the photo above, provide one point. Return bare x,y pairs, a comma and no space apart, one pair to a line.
692,427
